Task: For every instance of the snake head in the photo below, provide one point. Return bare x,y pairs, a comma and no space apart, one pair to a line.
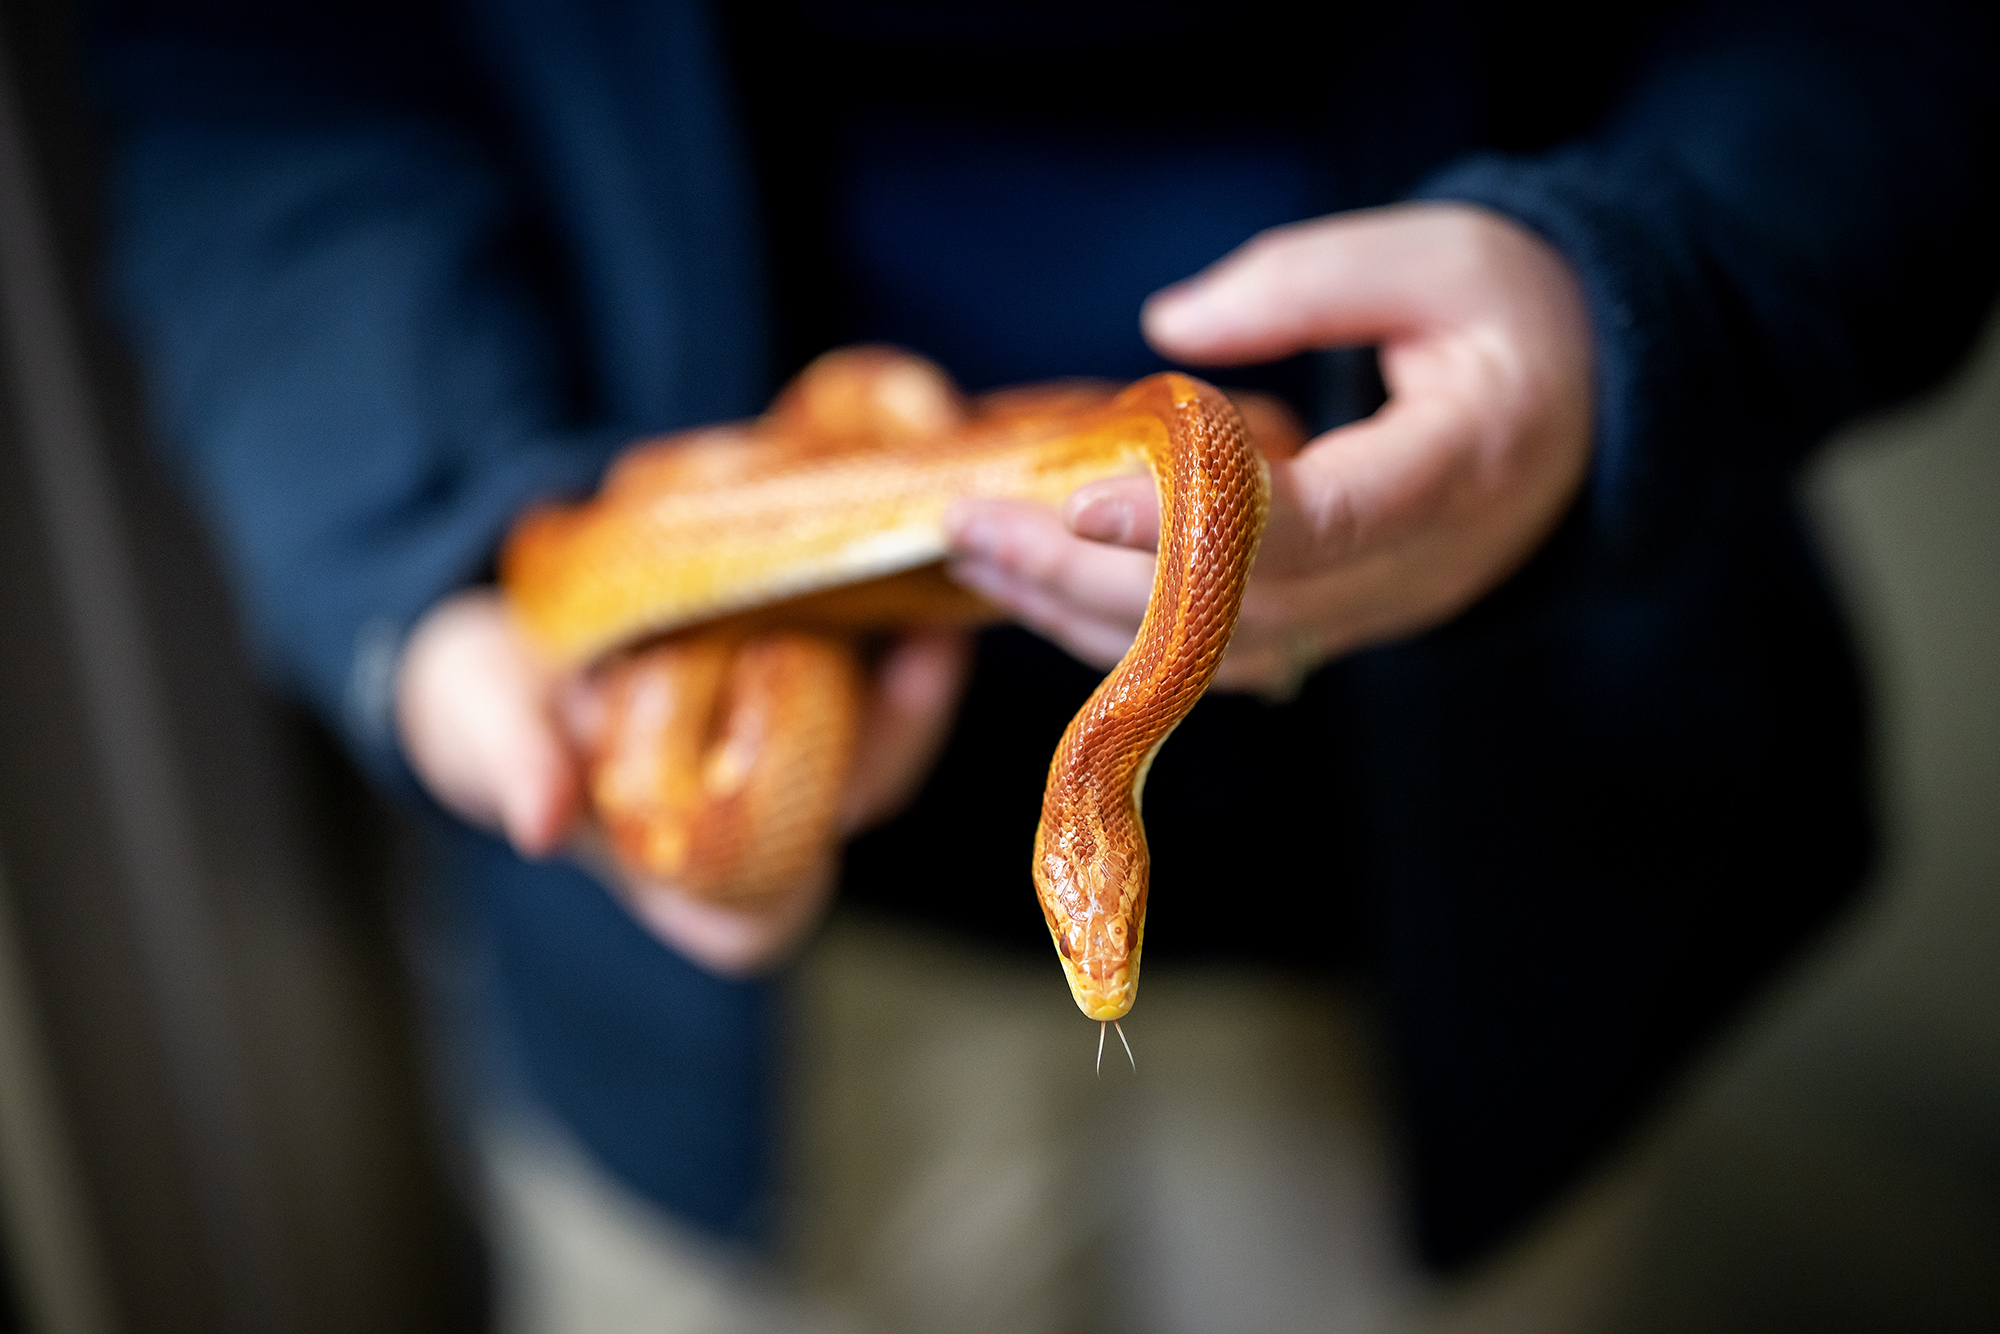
1093,893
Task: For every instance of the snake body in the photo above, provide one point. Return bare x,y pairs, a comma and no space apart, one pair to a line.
720,577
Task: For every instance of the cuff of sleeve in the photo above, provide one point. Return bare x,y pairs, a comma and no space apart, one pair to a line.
340,646
368,715
1640,274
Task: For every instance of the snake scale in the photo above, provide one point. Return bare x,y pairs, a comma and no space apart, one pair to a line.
720,581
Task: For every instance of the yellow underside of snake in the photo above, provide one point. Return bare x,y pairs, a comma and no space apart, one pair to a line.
720,579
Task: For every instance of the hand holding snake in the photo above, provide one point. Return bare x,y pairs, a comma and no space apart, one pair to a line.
1379,529
501,741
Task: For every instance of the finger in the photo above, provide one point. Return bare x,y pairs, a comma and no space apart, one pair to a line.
1086,629
512,744
1363,487
1273,673
474,718
734,942
1121,511
1330,282
1289,626
581,708
1274,428
1008,547
540,792
1093,639
905,720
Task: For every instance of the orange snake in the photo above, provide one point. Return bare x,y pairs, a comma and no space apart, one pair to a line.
721,577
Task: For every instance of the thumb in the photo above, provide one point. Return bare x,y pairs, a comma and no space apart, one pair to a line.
1331,282
536,785
476,724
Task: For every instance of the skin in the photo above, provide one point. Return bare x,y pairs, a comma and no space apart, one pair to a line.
498,740
1378,530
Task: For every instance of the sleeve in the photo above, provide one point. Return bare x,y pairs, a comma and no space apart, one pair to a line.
1786,222
331,288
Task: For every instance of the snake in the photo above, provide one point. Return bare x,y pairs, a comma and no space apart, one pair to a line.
722,585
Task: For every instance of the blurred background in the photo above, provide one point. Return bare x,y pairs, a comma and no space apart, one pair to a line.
213,1112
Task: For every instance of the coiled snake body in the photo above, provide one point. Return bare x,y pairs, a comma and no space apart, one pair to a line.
720,578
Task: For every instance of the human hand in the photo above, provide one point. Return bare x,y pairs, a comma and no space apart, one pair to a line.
1378,529
498,739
